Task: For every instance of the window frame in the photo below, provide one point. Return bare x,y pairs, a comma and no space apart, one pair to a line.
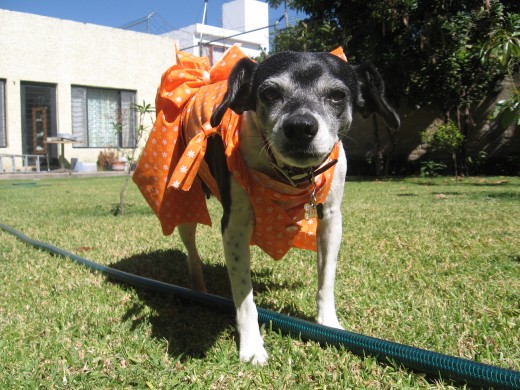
3,114
85,135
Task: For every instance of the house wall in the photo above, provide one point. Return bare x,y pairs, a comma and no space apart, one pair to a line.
65,53
189,39
248,15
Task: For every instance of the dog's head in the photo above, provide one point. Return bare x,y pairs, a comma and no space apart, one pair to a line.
303,101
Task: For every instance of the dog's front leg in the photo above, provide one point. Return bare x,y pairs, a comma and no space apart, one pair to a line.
329,234
237,227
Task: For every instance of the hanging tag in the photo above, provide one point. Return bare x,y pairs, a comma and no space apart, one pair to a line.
313,211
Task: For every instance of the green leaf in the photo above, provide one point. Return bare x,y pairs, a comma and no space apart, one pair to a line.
507,118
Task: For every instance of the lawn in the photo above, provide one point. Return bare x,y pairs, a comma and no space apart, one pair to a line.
432,263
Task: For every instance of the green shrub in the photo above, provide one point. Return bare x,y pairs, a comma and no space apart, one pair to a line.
432,168
446,137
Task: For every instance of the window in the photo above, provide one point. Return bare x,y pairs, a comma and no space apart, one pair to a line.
103,118
3,132
213,52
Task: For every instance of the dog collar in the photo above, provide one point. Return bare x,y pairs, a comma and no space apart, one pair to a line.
293,175
297,176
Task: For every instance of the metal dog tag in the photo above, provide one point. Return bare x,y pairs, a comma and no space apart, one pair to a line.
313,211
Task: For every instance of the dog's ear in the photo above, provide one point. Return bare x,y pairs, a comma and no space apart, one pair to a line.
371,95
238,96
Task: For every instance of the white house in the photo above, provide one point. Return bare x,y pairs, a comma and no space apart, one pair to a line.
59,76
61,79
243,21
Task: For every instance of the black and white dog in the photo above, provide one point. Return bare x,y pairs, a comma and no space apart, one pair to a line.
299,103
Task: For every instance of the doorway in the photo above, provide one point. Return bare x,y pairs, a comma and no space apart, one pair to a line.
39,119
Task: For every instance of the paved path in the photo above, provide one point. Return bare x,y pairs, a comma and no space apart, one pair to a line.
58,174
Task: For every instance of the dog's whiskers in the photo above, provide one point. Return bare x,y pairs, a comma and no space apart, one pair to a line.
268,144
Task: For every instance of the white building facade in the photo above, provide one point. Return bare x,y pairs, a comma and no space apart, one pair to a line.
243,21
63,77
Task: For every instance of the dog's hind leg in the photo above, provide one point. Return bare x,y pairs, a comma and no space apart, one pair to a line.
187,232
237,228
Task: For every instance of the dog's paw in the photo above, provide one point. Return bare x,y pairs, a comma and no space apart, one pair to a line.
331,323
254,354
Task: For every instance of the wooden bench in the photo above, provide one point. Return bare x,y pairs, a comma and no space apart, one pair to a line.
25,160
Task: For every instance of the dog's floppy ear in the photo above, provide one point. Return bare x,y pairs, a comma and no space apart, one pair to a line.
371,95
238,96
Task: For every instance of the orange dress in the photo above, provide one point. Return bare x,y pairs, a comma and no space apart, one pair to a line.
172,164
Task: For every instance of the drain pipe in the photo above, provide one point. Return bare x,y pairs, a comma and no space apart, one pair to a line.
432,363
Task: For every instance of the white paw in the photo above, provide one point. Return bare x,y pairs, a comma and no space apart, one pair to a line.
331,322
255,354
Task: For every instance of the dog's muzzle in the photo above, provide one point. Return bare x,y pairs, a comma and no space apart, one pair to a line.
300,129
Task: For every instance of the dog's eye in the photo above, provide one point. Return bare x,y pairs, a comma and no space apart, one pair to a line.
270,94
337,96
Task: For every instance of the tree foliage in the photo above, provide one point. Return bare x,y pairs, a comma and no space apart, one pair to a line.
429,52
309,35
503,46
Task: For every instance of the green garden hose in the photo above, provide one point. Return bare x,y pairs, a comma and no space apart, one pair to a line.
432,363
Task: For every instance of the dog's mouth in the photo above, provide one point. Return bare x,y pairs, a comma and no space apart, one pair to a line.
299,151
299,157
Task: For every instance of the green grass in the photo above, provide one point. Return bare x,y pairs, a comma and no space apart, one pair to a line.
429,263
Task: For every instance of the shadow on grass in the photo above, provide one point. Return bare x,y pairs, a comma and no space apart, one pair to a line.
452,193
469,181
189,329
503,195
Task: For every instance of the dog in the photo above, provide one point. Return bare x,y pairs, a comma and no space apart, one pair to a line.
292,109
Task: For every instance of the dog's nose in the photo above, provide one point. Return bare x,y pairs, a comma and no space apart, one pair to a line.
300,128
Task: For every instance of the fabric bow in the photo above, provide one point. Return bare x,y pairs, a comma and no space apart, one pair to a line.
183,81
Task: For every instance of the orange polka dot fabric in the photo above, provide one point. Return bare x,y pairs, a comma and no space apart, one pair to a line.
172,166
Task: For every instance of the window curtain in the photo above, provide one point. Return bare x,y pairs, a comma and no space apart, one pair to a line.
103,115
129,119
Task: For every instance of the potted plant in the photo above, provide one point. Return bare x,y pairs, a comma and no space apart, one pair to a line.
106,159
119,164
